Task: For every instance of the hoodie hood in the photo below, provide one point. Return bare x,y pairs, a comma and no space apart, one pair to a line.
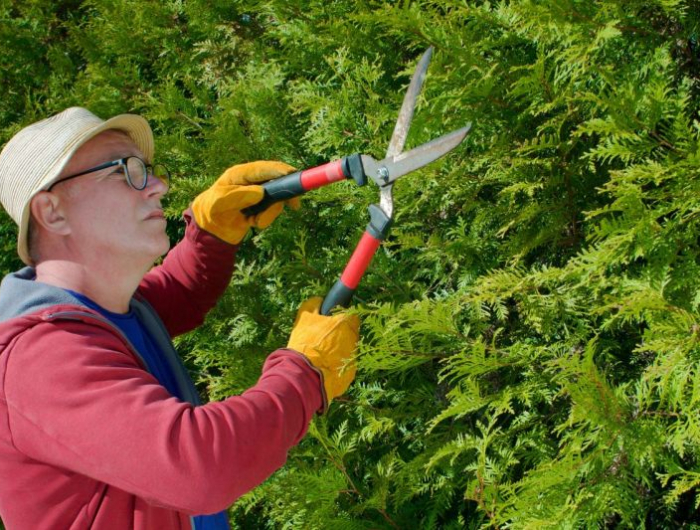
20,295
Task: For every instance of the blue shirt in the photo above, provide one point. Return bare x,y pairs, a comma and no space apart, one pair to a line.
139,337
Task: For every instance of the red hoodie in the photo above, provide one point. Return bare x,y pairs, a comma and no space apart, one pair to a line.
90,439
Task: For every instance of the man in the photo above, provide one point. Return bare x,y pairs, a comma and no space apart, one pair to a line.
100,426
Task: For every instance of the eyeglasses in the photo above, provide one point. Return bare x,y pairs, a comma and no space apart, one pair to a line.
135,170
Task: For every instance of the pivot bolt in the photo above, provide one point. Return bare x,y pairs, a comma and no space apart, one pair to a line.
383,173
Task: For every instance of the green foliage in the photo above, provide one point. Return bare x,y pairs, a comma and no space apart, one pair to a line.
531,335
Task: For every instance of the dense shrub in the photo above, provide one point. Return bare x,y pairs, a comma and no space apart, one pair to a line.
531,330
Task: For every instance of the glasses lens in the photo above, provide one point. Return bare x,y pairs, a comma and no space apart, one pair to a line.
136,172
161,173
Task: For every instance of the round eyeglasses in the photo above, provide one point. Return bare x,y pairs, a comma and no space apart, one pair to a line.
134,169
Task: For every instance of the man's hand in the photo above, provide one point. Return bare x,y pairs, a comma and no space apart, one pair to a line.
218,209
328,342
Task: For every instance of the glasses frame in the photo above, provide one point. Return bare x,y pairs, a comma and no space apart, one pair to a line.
122,162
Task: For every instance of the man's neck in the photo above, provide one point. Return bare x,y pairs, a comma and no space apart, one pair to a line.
111,289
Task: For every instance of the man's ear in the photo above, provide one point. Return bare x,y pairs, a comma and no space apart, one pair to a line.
48,213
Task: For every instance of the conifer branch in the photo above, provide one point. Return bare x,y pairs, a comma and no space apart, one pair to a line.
563,295
190,120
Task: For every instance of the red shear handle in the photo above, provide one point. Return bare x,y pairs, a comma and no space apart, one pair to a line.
341,293
300,182
322,175
360,260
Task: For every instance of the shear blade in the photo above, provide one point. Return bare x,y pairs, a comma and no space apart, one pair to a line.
386,171
403,123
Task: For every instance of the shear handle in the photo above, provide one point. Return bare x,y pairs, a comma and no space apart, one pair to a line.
300,182
377,231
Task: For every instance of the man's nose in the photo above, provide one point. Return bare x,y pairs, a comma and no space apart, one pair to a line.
155,186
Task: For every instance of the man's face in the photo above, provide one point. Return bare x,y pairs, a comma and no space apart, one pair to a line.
107,217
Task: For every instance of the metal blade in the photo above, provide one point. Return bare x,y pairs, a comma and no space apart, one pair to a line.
403,123
385,172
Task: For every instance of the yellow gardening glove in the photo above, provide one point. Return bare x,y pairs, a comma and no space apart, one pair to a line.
328,342
218,209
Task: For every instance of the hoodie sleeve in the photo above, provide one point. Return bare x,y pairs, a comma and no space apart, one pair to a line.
192,277
79,401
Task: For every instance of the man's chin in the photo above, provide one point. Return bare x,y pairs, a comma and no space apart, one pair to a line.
158,248
164,247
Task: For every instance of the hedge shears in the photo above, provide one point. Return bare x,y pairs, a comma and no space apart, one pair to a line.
360,168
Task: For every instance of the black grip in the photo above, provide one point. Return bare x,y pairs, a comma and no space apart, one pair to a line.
379,222
339,296
277,190
352,168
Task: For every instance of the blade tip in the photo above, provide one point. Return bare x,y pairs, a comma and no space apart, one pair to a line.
427,56
464,131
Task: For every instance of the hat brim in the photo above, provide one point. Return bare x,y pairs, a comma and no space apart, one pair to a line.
134,126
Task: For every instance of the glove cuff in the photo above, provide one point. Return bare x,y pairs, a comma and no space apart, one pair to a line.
325,401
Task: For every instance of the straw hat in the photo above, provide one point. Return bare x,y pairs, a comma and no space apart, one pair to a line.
34,158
